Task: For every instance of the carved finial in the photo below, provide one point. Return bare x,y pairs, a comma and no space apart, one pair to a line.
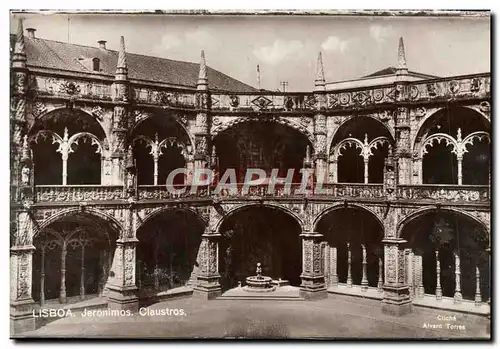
122,57
214,152
459,135
366,139
401,57
390,150
319,83
308,153
19,46
156,138
203,77
65,135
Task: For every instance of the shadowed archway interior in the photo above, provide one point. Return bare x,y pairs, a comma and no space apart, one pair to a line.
259,235
167,249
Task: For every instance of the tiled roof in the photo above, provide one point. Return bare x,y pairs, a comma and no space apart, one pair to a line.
392,70
58,55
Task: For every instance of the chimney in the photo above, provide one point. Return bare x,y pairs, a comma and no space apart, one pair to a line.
31,32
102,44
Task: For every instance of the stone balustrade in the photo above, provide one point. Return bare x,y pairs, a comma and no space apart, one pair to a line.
417,193
444,193
72,88
470,86
78,193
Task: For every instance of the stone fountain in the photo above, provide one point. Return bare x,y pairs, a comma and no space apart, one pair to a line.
259,283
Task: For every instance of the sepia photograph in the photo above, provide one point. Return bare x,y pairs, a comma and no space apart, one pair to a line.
250,175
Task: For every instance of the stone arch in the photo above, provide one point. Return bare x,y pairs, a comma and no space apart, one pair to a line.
423,211
160,211
140,118
418,131
279,120
349,119
115,224
242,207
337,206
53,111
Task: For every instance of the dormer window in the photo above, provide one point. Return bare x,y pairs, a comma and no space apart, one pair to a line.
96,64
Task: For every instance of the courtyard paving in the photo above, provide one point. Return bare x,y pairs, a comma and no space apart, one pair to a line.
336,317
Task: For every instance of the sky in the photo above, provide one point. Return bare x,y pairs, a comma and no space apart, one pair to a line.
285,47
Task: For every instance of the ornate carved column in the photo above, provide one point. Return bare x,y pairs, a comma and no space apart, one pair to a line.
334,279
42,276
458,290
21,265
121,118
477,296
121,286
326,261
409,271
439,292
349,260
390,175
19,103
203,105
460,156
402,120
62,292
207,283
313,279
82,273
364,280
418,275
156,156
380,282
396,292
320,158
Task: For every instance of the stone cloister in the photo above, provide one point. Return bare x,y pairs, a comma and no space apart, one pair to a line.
404,209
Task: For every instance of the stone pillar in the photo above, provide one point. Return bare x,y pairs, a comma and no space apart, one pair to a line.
396,293
403,146
477,296
62,292
202,126
82,274
334,279
458,290
121,118
21,269
207,281
380,282
313,279
409,272
326,261
459,168
19,103
21,301
349,260
402,120
439,292
42,276
364,280
366,176
121,286
418,275
320,158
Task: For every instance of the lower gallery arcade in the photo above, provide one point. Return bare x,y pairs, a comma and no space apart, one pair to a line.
440,254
